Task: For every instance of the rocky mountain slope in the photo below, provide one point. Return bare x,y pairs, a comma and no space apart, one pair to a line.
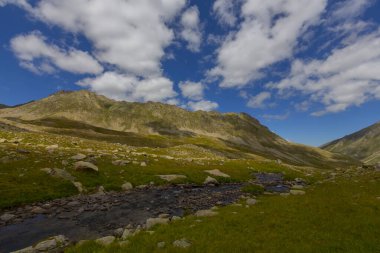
86,114
363,145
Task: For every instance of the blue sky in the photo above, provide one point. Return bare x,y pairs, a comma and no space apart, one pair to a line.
307,69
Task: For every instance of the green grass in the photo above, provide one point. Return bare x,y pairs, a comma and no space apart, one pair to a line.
23,182
341,216
253,189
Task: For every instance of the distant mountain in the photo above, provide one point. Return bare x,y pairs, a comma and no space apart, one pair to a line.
3,106
363,145
89,115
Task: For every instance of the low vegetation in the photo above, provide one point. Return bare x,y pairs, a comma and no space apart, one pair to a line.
334,216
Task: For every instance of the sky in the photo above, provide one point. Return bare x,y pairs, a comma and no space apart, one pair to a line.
307,69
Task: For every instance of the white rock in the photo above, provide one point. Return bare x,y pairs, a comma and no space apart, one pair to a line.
78,157
183,243
105,241
52,243
154,221
170,178
297,192
161,245
26,250
7,217
143,164
210,180
217,173
127,186
126,234
205,213
85,166
251,201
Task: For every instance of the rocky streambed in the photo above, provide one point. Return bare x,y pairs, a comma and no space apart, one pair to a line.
93,216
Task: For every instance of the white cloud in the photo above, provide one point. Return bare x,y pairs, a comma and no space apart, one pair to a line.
267,35
130,88
225,11
350,8
131,35
203,105
38,56
259,100
192,90
191,31
349,76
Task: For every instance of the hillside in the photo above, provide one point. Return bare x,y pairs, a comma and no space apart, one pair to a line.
86,114
363,145
3,106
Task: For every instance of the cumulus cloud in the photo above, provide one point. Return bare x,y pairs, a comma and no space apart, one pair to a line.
37,55
129,37
192,90
225,11
268,34
203,105
191,31
258,101
349,76
130,88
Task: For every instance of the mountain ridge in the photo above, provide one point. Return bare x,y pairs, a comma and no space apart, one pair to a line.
152,123
363,144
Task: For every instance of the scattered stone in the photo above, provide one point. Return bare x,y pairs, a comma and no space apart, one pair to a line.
7,217
51,147
297,187
79,186
205,213
3,140
143,164
170,178
126,234
175,218
251,201
217,173
26,250
210,180
124,243
127,186
78,157
183,243
154,221
38,210
297,192
85,166
161,245
51,244
121,162
105,241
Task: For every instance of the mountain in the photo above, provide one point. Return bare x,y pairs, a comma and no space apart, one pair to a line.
3,106
86,114
363,145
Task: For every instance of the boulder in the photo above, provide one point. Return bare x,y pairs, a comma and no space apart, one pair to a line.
85,166
217,173
210,180
79,186
183,243
143,164
154,221
51,243
205,213
126,234
78,157
127,186
7,217
26,250
121,162
297,192
251,201
161,245
173,177
105,241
